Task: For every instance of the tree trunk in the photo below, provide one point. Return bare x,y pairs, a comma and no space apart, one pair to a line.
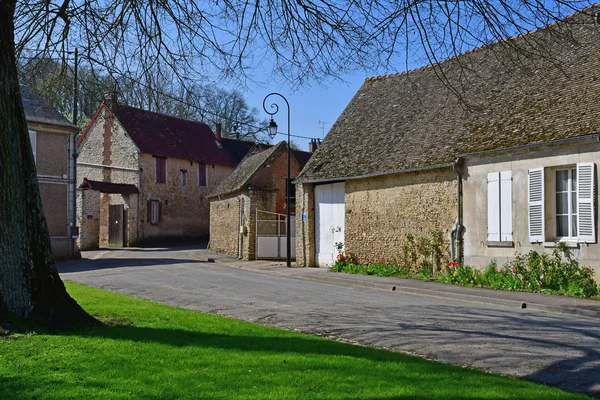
30,286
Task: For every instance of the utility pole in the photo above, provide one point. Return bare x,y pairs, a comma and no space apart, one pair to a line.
75,154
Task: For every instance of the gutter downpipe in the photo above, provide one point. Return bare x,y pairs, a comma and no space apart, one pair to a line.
241,228
456,252
75,154
139,205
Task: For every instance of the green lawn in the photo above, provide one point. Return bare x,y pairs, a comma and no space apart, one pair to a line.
157,351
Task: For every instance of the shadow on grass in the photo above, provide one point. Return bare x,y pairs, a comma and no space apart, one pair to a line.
269,344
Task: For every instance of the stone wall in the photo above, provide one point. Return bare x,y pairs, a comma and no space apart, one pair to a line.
108,154
381,211
185,209
225,224
305,225
52,152
53,158
88,218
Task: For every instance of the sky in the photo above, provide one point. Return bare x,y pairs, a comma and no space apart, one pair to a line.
322,102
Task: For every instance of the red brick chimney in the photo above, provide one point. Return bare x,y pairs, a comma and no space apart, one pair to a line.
314,145
111,100
218,131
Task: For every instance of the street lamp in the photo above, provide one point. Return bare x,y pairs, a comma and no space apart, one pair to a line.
272,131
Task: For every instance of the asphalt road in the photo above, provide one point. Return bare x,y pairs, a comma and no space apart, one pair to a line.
559,350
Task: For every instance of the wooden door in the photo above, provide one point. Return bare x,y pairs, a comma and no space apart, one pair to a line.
116,225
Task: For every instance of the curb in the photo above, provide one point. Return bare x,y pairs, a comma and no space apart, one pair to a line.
588,311
473,298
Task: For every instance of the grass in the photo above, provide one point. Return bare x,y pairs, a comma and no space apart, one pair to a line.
161,352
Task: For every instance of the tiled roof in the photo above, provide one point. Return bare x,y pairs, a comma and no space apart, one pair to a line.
39,111
107,187
237,148
246,170
415,120
168,136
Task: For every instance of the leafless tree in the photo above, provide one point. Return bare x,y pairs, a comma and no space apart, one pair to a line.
299,40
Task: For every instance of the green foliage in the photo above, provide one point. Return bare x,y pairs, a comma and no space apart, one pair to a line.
556,273
154,351
420,258
426,258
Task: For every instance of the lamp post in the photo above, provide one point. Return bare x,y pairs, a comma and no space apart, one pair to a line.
272,131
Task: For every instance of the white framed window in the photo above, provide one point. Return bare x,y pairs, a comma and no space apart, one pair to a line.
499,185
33,140
183,177
154,211
566,204
572,207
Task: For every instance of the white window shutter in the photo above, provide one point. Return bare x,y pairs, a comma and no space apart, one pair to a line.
493,196
535,194
506,206
33,140
585,203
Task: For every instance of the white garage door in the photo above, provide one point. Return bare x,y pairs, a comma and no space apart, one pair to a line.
329,221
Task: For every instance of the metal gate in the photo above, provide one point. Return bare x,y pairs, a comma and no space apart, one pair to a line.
271,235
116,225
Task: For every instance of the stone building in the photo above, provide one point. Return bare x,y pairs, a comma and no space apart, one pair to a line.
147,176
52,141
247,210
499,155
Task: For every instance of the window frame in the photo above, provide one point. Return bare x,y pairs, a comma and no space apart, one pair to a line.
154,212
184,177
570,193
33,141
156,180
202,182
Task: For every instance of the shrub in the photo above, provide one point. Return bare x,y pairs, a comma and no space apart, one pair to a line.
551,273
426,258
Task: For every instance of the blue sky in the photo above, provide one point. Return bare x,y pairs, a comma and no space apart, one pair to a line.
321,102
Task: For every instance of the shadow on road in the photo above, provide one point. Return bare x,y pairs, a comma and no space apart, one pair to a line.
112,263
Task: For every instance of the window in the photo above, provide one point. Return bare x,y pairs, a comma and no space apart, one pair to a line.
183,177
499,187
572,213
33,140
566,203
202,172
154,211
160,169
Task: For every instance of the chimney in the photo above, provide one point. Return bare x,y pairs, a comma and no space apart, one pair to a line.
110,100
218,131
313,145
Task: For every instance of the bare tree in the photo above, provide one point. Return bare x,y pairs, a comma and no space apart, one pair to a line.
298,40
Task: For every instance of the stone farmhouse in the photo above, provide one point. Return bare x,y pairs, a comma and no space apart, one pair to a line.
147,176
52,141
247,210
499,154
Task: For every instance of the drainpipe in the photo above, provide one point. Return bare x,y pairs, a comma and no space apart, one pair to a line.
456,252
74,216
240,228
75,153
139,208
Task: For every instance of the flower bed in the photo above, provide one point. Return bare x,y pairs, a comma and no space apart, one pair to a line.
555,273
